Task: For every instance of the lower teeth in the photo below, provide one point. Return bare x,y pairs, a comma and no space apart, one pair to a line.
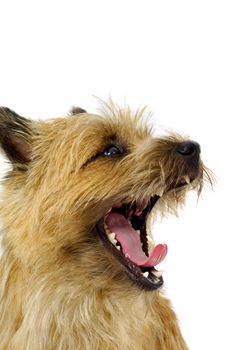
157,273
146,274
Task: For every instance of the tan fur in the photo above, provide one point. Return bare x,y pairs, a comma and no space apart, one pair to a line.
59,288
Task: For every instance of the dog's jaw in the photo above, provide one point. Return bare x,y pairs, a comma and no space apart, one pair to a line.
138,262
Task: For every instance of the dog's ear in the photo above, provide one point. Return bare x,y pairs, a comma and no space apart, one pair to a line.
15,137
77,110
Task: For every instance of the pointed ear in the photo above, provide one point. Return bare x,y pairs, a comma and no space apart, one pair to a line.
77,110
15,136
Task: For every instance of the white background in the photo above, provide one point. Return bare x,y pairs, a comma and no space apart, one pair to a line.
175,57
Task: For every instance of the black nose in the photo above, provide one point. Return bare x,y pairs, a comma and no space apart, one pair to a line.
190,149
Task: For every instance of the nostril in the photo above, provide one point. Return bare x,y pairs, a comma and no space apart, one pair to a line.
188,148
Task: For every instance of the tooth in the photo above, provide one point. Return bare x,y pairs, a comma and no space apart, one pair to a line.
151,244
106,228
118,247
138,212
150,239
159,192
111,235
114,242
187,179
112,239
157,273
146,274
138,232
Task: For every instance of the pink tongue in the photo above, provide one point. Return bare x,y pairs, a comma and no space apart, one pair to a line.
131,244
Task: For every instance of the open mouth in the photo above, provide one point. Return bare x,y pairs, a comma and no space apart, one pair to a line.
123,231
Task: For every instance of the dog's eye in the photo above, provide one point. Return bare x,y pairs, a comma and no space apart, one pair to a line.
112,151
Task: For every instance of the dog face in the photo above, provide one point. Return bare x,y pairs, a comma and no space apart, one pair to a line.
97,181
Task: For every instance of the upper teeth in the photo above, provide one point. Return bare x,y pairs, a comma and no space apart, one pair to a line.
187,179
151,244
149,224
149,238
159,192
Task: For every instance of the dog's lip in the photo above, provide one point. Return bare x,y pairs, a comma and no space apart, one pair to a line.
134,271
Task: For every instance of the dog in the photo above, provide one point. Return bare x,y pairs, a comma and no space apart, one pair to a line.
79,268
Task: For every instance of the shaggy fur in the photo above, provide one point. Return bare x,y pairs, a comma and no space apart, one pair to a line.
60,289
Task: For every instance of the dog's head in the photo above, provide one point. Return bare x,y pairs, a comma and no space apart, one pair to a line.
90,181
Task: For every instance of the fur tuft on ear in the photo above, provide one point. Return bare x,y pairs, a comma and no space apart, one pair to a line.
15,136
